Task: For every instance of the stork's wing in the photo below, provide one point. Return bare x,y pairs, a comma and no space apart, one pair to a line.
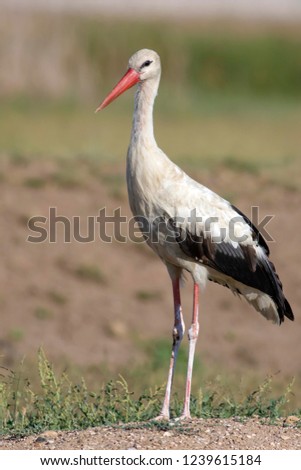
255,232
244,257
245,264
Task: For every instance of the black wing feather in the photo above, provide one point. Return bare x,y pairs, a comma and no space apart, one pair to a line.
240,263
256,234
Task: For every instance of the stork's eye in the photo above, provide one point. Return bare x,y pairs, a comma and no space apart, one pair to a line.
146,63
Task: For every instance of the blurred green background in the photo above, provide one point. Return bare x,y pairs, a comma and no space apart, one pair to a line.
228,111
238,81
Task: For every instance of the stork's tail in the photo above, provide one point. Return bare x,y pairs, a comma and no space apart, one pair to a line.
283,306
270,308
288,311
270,302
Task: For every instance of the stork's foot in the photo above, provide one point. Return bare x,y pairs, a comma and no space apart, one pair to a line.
185,416
161,417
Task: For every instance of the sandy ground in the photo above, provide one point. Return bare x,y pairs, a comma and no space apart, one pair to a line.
195,434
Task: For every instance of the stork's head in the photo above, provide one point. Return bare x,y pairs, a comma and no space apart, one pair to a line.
146,63
143,65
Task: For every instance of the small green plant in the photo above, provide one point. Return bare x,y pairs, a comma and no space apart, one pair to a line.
90,272
57,297
244,166
35,182
148,295
16,334
42,313
67,178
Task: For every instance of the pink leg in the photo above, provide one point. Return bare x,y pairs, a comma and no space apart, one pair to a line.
178,332
192,336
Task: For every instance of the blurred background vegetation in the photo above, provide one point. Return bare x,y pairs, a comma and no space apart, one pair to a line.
56,68
229,103
54,55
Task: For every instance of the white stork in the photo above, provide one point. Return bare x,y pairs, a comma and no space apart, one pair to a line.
190,227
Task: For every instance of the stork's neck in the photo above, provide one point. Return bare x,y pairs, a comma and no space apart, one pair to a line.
143,130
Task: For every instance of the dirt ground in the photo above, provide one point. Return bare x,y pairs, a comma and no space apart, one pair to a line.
85,302
195,434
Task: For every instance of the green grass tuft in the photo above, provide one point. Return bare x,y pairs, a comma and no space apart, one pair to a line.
89,272
57,297
67,178
16,334
42,313
244,166
59,404
148,295
35,182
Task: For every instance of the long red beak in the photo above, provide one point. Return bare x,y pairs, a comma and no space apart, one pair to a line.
128,80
